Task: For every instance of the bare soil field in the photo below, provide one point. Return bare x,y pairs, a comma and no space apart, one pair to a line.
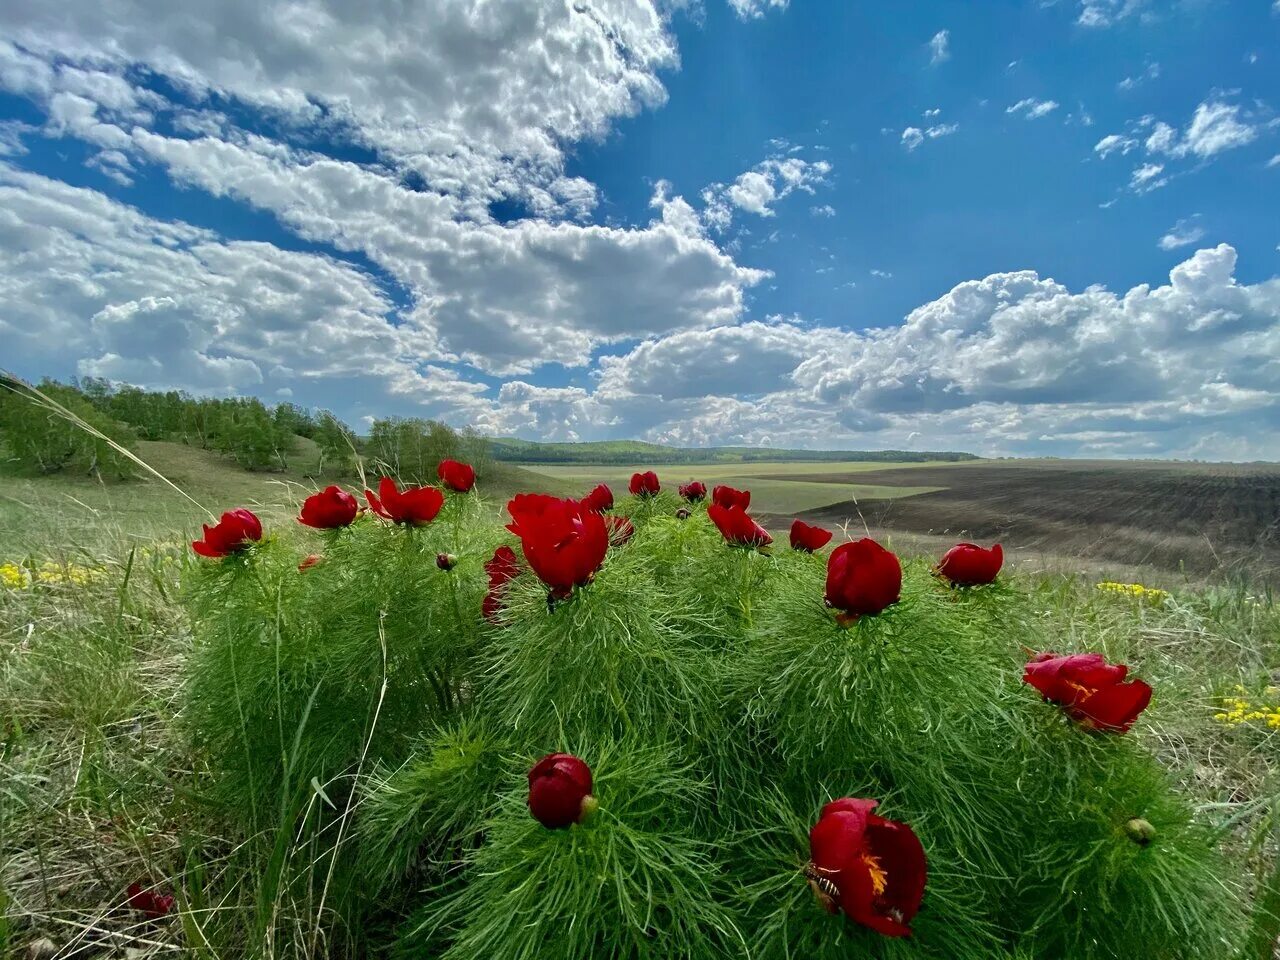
1200,520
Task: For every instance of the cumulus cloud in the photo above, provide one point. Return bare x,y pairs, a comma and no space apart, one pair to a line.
758,189
754,9
1033,109
912,137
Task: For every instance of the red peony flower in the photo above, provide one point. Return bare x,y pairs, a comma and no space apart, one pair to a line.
693,491
233,533
456,476
563,541
727,496
151,904
871,868
309,561
600,499
645,484
620,530
738,528
1091,691
329,509
808,538
862,579
501,569
968,565
560,791
414,506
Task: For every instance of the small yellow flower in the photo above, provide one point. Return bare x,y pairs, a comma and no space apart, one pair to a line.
14,577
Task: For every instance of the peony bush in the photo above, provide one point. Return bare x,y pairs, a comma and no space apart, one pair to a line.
637,727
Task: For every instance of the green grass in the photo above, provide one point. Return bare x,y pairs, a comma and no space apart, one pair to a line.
99,784
776,488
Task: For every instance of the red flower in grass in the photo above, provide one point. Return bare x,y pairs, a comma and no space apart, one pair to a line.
233,533
600,499
871,868
693,491
727,496
862,579
329,509
414,506
562,540
645,484
808,538
560,791
1093,692
151,904
620,530
309,561
968,565
738,528
456,476
501,569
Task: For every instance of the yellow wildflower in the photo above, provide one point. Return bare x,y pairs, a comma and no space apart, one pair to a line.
14,577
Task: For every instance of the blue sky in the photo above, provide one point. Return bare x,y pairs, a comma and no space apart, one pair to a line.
1009,227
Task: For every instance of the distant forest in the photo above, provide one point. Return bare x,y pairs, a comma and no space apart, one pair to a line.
37,433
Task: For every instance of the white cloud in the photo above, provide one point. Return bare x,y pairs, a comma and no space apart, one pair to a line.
758,189
1147,178
1032,108
1105,13
1113,143
935,111
754,9
1274,161
940,47
1217,127
1182,234
1150,72
912,137
823,210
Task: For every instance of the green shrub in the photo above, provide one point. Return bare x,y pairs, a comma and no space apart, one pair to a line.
366,702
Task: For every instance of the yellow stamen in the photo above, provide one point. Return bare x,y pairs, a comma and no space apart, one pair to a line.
879,876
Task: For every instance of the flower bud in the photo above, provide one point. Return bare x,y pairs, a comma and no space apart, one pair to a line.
560,791
310,561
682,514
1140,831
446,561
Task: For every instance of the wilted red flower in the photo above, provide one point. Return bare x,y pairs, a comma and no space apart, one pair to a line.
738,528
968,565
446,561
1090,690
151,904
871,868
232,533
693,491
309,561
501,569
682,514
600,499
329,509
808,538
562,540
727,496
862,579
560,791
412,505
645,484
456,476
620,530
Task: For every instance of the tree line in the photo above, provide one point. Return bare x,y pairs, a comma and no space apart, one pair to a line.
45,430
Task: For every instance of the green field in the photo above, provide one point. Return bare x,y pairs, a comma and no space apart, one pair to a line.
776,488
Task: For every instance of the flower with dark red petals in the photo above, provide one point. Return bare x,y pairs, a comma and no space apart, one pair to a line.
563,541
413,506
737,527
231,534
870,867
309,561
863,578
620,530
808,538
560,791
460,477
501,569
693,491
329,509
600,499
1091,691
727,496
645,484
969,565
148,902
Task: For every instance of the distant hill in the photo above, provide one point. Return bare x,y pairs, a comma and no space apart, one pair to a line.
638,451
